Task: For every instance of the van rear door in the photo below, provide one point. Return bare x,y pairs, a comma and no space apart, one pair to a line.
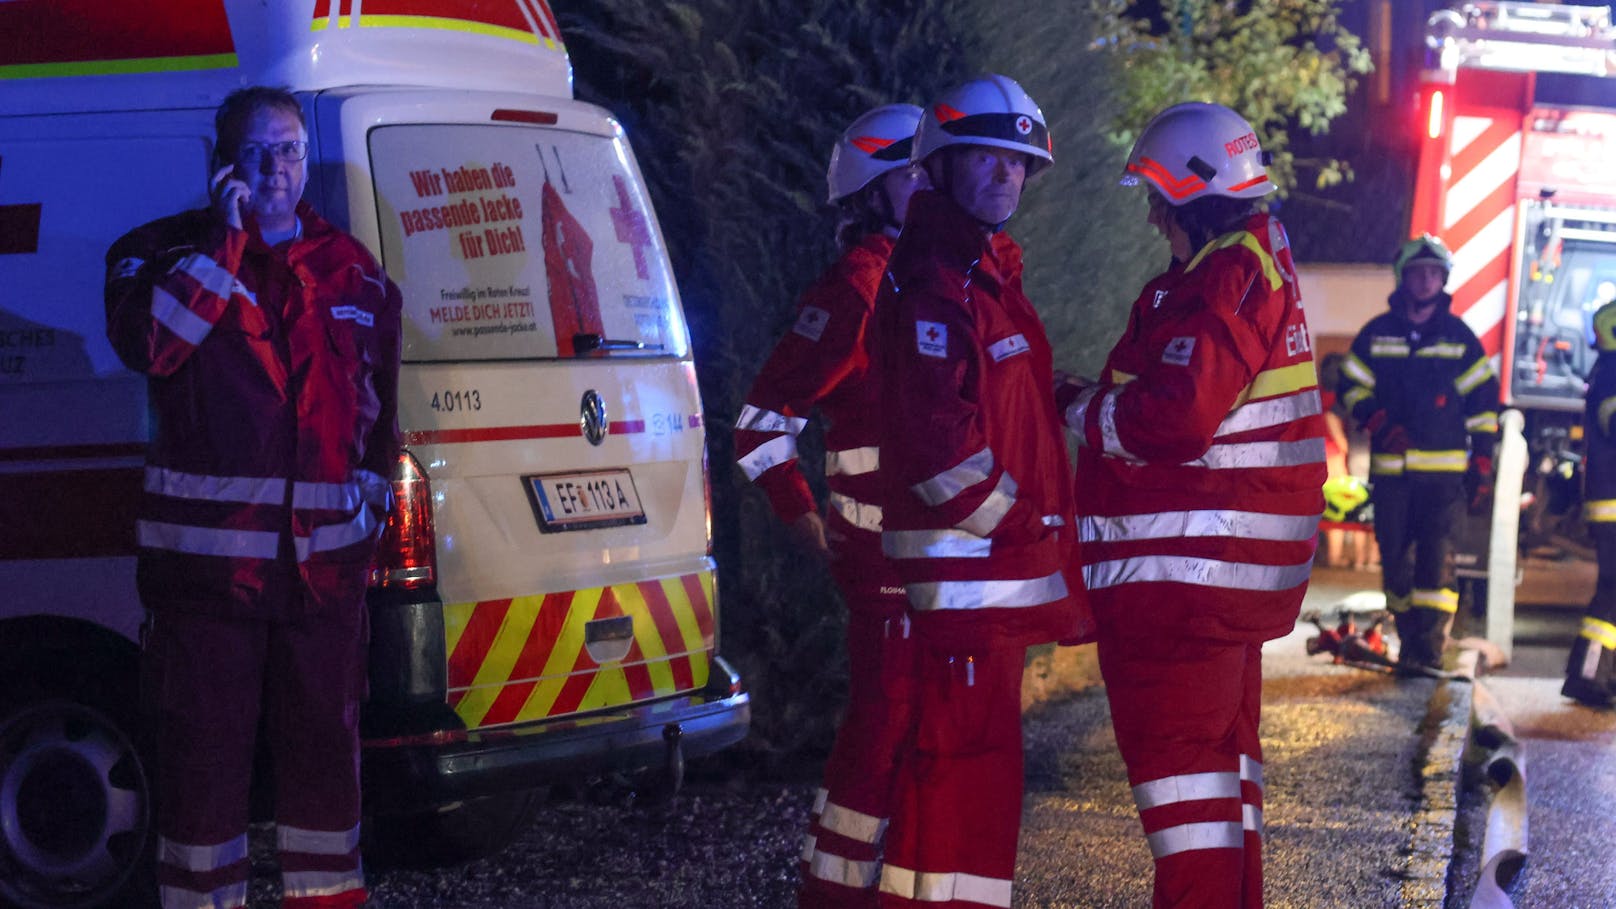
547,391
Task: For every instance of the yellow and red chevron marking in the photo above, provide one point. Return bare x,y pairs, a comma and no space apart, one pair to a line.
523,659
528,21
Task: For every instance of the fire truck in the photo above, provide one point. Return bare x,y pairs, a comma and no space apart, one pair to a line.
544,605
1517,173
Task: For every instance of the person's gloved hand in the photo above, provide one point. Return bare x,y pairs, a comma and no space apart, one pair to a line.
1478,483
1387,436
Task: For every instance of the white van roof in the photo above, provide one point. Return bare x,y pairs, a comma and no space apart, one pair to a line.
67,56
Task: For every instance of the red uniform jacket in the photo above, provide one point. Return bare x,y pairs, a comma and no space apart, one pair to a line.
824,362
273,380
979,502
1201,466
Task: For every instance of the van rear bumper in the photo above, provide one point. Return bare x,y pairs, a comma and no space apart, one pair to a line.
410,773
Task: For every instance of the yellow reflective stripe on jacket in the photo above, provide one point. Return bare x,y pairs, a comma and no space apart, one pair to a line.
1482,422
1439,600
1599,511
1354,395
1448,350
1358,371
1600,632
1386,465
1453,461
1248,240
1606,408
1479,372
1284,380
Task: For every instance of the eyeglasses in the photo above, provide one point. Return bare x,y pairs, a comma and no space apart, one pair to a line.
252,153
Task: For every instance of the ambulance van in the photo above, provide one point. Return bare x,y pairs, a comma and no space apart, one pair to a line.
543,609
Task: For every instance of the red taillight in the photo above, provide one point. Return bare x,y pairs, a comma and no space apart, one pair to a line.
407,558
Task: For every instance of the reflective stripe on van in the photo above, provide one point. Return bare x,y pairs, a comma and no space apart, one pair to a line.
524,659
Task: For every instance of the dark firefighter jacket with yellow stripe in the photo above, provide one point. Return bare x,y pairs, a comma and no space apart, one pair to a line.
1201,464
1598,424
1432,379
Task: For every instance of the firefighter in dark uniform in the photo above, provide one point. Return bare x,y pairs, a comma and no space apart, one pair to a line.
1418,381
1591,670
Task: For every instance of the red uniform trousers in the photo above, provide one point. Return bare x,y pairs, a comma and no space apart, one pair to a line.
952,842
1185,711
841,857
210,680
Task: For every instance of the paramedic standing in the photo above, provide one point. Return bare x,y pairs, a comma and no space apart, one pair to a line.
1591,668
823,363
270,340
1199,477
978,506
1419,382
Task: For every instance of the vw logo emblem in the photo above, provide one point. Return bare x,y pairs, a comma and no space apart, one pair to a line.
592,417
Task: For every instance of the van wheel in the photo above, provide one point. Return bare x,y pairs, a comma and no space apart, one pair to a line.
75,807
473,829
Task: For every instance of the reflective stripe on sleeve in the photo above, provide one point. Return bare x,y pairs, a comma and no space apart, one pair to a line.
1251,770
213,277
180,485
1482,422
1186,787
1077,413
1193,837
208,541
1358,371
336,536
1599,632
844,871
862,515
934,544
1110,442
326,496
1440,600
1606,408
855,825
1354,395
201,858
1449,461
935,595
987,516
305,884
756,419
1251,818
174,316
1599,511
1198,571
946,485
1479,372
852,461
316,842
1203,523
1271,412
1386,465
1256,455
944,886
776,451
230,896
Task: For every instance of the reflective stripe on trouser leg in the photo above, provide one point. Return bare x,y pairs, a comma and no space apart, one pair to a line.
952,842
842,851
1195,762
203,675
312,713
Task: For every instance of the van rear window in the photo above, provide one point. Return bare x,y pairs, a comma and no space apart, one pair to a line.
514,242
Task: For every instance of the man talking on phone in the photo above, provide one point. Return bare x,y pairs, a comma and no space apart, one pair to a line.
270,340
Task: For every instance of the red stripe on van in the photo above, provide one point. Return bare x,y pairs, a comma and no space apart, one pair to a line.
702,608
637,674
529,664
513,433
505,15
69,514
668,629
473,645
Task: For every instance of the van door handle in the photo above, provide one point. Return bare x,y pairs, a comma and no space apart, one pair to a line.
586,342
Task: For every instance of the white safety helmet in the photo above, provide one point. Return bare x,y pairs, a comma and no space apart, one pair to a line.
878,141
1197,149
988,110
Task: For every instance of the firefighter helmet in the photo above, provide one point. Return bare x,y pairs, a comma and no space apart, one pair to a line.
1342,497
878,141
1422,250
1198,149
987,110
1604,327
